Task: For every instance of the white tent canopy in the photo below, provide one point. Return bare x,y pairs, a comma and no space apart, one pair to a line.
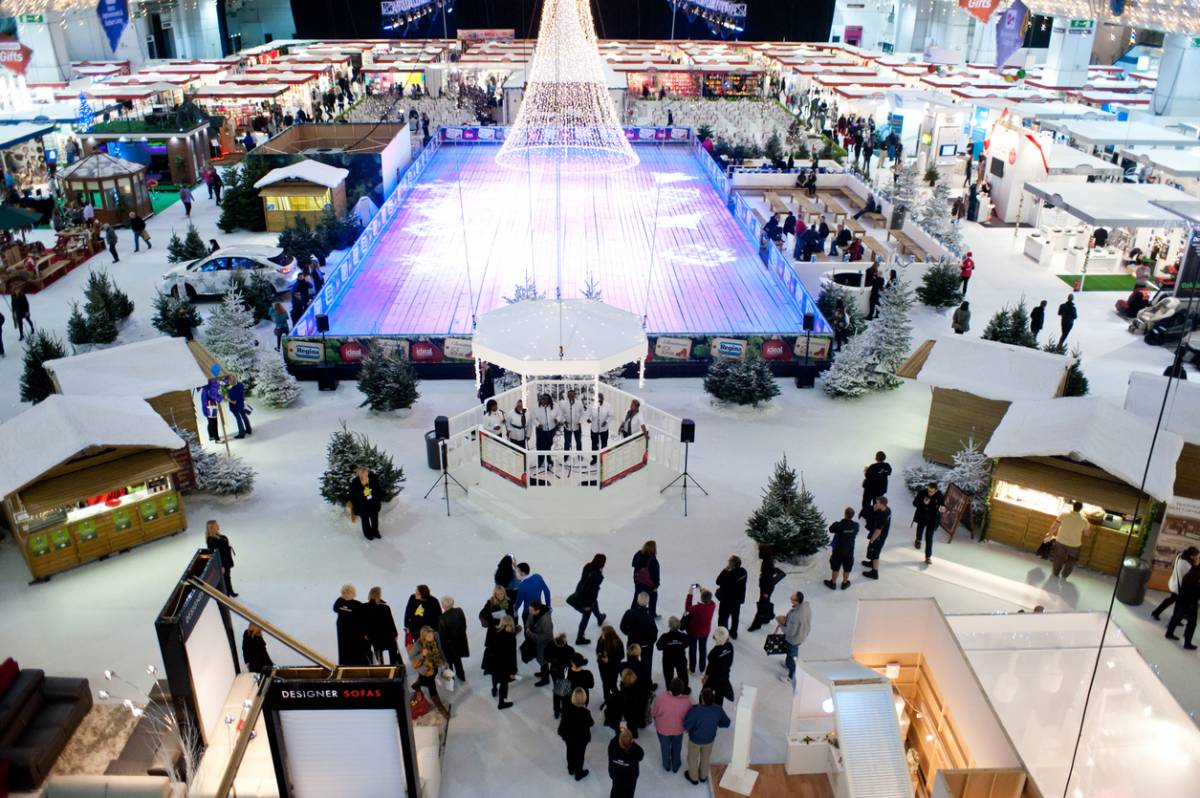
1176,163
1091,430
1111,204
62,427
1103,133
1070,161
306,171
1181,415
993,370
525,337
146,369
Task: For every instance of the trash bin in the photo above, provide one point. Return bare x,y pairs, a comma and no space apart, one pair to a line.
1132,582
806,373
433,453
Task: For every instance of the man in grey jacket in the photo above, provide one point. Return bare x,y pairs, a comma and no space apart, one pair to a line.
796,626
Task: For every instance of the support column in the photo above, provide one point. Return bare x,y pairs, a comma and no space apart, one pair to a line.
1069,53
49,47
1178,92
913,18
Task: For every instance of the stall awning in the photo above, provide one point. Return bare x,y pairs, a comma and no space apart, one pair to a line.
109,475
1176,163
1070,161
145,368
1104,133
1112,204
12,135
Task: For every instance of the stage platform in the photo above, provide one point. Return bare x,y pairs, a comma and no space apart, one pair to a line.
656,240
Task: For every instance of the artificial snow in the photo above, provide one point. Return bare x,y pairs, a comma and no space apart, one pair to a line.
1181,413
993,370
144,368
306,171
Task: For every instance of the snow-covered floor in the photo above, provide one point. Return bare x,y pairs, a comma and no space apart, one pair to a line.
293,552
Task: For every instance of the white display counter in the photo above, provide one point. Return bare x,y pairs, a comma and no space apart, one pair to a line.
1105,260
1039,247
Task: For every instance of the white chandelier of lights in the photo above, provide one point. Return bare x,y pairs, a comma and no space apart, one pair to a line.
1170,16
567,115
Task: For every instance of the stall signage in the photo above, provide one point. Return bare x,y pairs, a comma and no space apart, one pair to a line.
424,352
980,9
486,34
114,18
672,348
1187,283
1180,529
305,351
457,348
377,693
1010,31
813,347
775,349
1082,24
14,55
729,348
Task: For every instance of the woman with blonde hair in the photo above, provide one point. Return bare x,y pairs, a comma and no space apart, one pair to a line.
452,631
646,574
720,666
427,660
575,729
215,541
353,647
500,658
380,626
610,653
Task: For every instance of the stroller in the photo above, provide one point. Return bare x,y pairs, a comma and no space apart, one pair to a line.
1160,309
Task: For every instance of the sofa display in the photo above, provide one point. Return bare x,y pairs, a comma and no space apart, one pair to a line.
38,715
114,787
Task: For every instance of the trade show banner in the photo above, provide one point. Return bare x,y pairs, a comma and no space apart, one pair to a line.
14,55
114,17
1180,528
982,10
1187,284
1010,32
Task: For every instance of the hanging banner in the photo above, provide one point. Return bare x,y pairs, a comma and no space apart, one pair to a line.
14,55
982,10
1010,32
114,17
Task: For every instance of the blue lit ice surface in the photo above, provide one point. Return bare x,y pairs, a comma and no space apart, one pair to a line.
499,227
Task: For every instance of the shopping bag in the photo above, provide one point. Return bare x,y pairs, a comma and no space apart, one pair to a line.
1045,548
775,644
574,602
528,649
418,705
562,687
446,681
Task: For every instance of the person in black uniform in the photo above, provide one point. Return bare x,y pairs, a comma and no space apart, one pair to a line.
768,577
731,594
875,483
673,644
879,522
575,729
1068,314
353,647
215,541
623,757
254,650
842,534
366,499
1037,318
929,505
380,626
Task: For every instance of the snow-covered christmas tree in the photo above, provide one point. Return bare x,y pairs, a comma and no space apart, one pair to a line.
273,384
972,471
527,290
742,382
935,215
84,116
904,192
891,335
229,335
849,376
591,290
387,381
788,519
216,472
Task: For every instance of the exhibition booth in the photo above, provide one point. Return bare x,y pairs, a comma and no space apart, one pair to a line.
1052,453
302,190
84,477
171,155
1181,167
113,186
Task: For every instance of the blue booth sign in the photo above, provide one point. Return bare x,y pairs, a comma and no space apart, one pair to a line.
114,17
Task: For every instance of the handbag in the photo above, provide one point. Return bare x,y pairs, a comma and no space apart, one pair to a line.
574,602
642,577
446,680
528,649
775,644
418,705
1045,548
562,687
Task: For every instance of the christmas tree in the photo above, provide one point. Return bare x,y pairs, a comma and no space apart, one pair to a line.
335,233
1010,325
528,290
187,249
218,473
741,382
230,337
972,471
77,327
891,335
273,384
102,294
940,286
347,451
935,215
36,384
175,249
298,240
240,204
85,117
387,381
591,290
918,476
849,376
167,310
788,519
257,292
904,194
831,294
1077,383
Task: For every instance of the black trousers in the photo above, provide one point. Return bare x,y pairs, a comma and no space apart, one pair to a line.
1066,330
112,250
577,435
545,442
500,685
925,529
727,616
392,652
1184,613
213,433
875,547
228,580
672,667
1167,602
576,752
623,789
370,524
600,439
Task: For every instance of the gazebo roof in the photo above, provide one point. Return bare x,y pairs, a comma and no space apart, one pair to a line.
525,337
100,165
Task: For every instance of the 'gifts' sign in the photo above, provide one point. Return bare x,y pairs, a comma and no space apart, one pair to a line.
14,55
980,9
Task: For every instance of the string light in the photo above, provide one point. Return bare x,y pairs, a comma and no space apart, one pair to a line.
1170,16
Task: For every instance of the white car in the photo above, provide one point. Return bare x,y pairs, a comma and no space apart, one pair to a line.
214,274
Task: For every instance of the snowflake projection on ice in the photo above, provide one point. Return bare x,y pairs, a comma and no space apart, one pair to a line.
699,254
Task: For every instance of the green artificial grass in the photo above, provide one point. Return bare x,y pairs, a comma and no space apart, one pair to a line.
161,200
1102,282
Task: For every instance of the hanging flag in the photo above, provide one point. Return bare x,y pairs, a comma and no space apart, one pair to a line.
1010,32
14,54
114,18
980,9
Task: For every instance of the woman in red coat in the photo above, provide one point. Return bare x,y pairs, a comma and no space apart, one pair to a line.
699,624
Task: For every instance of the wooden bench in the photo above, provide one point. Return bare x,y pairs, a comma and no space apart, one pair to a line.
834,206
876,218
907,245
777,205
855,226
876,247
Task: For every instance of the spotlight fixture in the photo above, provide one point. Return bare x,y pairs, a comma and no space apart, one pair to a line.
722,16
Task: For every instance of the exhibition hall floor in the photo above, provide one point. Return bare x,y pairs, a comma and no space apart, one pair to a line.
655,239
294,552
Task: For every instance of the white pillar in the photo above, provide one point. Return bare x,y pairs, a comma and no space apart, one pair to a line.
912,25
738,776
1070,52
1178,92
49,46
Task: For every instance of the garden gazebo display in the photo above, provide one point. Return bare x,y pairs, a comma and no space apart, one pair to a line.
114,186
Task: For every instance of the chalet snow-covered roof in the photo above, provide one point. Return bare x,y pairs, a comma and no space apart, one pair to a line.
145,369
1181,415
988,369
306,171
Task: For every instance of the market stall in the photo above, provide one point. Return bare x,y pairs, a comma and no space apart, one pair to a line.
974,381
113,185
24,154
175,155
1052,453
303,190
1181,167
86,476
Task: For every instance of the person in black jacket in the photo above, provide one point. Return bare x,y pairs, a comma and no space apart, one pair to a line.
1186,608
875,483
878,526
500,658
720,666
1068,314
646,574
929,504
731,594
586,597
842,535
353,646
138,225
20,311
558,659
215,541
674,645
623,758
452,629
768,577
575,729
366,499
638,626
627,706
380,627
422,609
579,676
254,650
1037,318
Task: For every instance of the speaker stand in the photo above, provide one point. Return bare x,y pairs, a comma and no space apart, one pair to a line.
446,478
684,478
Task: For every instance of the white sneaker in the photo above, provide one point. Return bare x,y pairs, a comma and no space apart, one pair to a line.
786,679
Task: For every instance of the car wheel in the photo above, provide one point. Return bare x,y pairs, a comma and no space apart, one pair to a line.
191,293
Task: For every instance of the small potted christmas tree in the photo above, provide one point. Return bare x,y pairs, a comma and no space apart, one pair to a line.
273,384
788,519
387,381
741,382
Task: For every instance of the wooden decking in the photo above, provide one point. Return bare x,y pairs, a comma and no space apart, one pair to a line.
774,783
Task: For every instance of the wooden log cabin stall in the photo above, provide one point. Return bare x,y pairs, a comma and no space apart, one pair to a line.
1051,453
83,477
973,383
1147,396
303,190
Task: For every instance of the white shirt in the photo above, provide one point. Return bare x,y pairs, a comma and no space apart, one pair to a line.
632,425
494,422
546,418
516,427
572,413
1180,570
599,416
89,212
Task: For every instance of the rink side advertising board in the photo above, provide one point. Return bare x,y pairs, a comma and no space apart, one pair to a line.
506,459
622,459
